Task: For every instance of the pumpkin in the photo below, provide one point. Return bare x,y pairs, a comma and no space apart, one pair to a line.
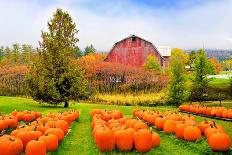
159,122
219,142
169,126
28,117
51,142
130,123
63,125
179,130
143,140
124,140
204,125
155,139
3,125
11,122
105,139
35,147
27,136
51,124
192,133
10,145
56,131
140,125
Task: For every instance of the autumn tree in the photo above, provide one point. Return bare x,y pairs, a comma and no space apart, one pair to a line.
177,90
52,78
227,64
89,50
216,64
152,63
200,80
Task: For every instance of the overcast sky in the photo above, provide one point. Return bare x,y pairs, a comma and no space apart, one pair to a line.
176,23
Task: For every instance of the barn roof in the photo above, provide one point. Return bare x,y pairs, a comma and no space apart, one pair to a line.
164,51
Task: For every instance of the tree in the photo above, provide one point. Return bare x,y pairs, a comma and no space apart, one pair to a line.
16,54
1,52
77,53
181,53
27,54
227,64
177,90
52,78
89,49
216,65
152,63
200,80
191,59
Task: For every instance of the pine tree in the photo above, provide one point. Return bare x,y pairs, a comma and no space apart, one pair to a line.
52,78
177,90
200,80
89,50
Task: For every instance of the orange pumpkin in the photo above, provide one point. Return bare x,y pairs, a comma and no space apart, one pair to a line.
56,131
140,125
192,133
10,145
63,125
143,140
169,126
124,140
105,139
27,136
35,147
219,142
51,142
155,140
159,122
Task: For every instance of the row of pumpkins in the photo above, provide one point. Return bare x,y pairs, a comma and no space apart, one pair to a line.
185,127
111,129
208,111
43,134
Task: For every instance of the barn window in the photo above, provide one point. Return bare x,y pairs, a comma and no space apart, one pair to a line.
133,38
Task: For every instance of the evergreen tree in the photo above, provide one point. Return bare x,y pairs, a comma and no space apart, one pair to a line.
200,80
177,90
52,78
89,50
15,54
1,52
152,63
77,53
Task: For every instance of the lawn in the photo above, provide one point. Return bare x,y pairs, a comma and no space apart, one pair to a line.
79,140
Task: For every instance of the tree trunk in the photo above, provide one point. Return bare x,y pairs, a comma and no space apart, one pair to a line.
66,104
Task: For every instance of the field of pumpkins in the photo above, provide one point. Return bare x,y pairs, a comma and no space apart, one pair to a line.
103,129
29,132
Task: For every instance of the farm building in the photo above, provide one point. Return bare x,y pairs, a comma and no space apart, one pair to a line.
134,51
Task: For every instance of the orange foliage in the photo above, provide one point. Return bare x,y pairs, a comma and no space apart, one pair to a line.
216,64
14,70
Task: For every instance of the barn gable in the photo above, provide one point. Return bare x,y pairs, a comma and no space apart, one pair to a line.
133,51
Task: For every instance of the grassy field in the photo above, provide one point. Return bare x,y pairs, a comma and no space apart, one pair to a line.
79,140
219,83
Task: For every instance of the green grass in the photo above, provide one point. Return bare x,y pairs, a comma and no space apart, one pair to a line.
79,140
219,83
225,72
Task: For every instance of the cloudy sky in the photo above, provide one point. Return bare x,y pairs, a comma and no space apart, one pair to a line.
176,23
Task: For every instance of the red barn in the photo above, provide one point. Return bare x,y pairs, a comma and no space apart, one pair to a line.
134,51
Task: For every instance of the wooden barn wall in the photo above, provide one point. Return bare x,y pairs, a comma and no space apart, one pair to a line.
133,53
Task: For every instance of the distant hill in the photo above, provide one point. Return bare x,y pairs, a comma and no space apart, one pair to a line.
219,54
